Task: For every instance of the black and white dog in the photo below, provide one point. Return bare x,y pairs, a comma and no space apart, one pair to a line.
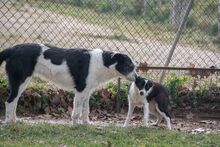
153,97
77,70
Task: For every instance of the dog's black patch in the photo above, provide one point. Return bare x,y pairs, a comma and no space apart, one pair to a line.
78,61
55,54
140,82
160,94
162,97
154,92
107,58
23,59
124,64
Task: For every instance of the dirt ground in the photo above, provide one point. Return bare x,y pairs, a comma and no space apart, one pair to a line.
187,125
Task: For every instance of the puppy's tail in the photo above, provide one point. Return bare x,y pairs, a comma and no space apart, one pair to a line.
5,54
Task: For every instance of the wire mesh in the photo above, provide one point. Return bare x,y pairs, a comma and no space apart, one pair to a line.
144,29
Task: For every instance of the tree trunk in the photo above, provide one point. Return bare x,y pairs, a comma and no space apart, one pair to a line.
178,9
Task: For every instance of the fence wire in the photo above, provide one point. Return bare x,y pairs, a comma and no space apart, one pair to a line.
144,29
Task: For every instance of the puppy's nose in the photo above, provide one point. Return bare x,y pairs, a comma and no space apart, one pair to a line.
141,93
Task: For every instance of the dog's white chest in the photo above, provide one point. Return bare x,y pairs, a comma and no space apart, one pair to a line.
138,100
135,97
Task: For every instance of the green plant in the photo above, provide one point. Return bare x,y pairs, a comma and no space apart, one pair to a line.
174,85
3,91
95,100
3,82
122,97
40,102
200,96
112,87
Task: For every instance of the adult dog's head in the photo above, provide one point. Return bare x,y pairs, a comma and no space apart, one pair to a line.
122,63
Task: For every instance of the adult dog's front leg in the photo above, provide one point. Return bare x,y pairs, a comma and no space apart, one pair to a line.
77,108
130,112
146,114
85,111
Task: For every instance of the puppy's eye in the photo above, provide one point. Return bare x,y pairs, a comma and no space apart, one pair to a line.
147,87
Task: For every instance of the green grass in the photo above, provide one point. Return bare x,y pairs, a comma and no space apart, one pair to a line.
55,135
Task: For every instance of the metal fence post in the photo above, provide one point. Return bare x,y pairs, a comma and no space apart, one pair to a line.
118,102
180,29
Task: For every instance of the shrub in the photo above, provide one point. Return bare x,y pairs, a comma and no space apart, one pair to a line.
3,82
95,100
123,94
174,85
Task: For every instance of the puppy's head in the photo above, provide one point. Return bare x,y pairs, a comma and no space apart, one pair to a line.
125,66
143,85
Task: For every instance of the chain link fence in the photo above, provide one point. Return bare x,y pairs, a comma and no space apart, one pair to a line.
144,29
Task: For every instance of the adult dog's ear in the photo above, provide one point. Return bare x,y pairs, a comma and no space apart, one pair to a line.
117,57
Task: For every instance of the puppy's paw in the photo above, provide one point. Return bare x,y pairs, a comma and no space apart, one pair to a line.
146,125
154,124
125,125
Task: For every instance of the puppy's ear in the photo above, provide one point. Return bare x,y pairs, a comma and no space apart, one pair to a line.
150,83
137,79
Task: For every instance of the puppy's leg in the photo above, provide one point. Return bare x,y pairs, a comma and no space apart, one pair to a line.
77,107
158,117
130,112
16,89
85,110
166,116
153,111
146,114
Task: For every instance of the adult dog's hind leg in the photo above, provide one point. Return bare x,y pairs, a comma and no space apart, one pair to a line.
16,89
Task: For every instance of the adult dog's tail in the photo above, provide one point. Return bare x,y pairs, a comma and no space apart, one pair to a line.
5,54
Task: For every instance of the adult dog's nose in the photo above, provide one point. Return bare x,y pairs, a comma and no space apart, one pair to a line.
141,93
